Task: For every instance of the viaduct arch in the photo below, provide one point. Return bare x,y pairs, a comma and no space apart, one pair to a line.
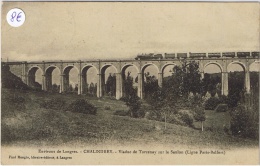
28,69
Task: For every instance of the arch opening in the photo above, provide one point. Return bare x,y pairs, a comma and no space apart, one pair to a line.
254,70
236,82
52,76
167,70
212,81
149,79
108,81
89,80
129,80
35,78
70,79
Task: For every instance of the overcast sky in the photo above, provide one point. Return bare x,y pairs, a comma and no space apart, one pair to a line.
87,30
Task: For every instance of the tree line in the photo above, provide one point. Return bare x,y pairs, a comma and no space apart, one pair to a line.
185,89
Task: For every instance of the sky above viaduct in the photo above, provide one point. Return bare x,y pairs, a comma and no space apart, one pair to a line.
120,30
95,30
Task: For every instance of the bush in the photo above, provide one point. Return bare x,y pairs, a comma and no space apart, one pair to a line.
82,106
55,104
244,122
121,113
222,108
186,118
139,113
124,99
107,108
134,104
212,103
175,119
223,99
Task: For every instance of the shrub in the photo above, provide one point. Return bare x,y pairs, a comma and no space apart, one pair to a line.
244,122
175,119
124,99
212,103
134,104
222,108
121,113
107,108
223,99
82,106
55,104
139,113
186,118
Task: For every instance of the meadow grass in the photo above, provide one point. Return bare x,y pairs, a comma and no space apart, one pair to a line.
36,126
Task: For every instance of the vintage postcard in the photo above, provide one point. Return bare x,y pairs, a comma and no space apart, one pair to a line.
149,83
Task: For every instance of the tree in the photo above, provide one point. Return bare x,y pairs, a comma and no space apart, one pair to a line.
134,104
91,88
187,77
128,84
150,84
174,93
76,88
86,88
236,87
55,88
95,88
111,84
131,98
70,89
199,115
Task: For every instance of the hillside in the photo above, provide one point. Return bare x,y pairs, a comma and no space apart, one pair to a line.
11,81
25,122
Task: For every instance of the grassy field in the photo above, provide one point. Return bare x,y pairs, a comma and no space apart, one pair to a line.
36,126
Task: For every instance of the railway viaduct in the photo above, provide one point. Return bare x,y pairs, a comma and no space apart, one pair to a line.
26,71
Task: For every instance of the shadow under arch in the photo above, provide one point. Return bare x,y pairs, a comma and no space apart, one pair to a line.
49,76
106,88
236,80
66,77
85,88
150,80
147,65
125,89
165,66
32,77
254,70
212,79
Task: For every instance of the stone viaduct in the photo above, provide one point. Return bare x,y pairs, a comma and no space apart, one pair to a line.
27,70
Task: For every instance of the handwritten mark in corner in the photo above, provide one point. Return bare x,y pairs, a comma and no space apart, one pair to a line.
15,17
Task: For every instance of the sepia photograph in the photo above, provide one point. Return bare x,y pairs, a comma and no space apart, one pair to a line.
130,83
